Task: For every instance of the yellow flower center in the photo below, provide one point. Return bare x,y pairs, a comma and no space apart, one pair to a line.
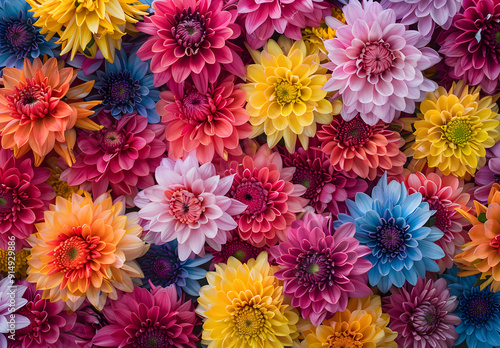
249,321
287,92
458,131
21,263
344,340
61,187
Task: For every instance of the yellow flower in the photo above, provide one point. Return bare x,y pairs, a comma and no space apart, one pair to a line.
21,263
362,324
284,94
81,24
315,36
61,187
243,307
455,128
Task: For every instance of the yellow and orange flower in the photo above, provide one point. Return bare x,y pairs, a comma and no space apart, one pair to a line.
39,108
85,249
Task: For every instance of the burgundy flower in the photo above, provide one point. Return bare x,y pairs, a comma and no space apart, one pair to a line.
236,247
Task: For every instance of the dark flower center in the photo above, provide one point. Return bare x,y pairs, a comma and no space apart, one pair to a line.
190,30
253,195
19,37
315,269
120,92
6,201
195,106
311,179
354,132
112,140
153,338
478,307
390,238
491,35
162,266
30,101
375,58
166,267
239,249
426,318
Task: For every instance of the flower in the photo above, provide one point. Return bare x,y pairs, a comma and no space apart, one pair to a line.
427,13
209,122
56,166
265,187
362,324
487,175
284,94
321,269
6,308
23,198
39,107
316,36
445,195
391,223
188,204
471,47
242,306
362,150
235,247
96,25
85,249
123,155
377,63
422,314
149,319
190,38
125,86
20,267
162,267
455,128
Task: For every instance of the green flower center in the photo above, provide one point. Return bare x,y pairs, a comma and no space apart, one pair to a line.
313,268
458,131
287,92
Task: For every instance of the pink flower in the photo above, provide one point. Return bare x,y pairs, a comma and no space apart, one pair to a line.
322,269
235,247
377,63
188,204
190,38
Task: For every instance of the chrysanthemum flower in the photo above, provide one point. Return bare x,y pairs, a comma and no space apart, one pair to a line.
83,26
162,267
24,196
6,305
190,38
422,314
243,307
123,155
39,107
61,187
316,36
149,319
455,128
20,266
445,195
85,249
391,223
377,63
487,175
320,268
265,187
211,122
362,150
189,205
362,324
284,94
235,247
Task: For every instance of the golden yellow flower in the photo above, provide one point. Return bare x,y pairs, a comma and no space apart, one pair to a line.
315,36
61,187
21,263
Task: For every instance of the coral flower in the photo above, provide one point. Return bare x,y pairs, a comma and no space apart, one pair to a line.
85,249
284,94
210,122
39,108
243,307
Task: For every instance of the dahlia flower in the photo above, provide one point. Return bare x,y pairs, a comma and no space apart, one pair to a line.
391,223
284,93
190,38
271,199
162,267
39,108
20,321
149,319
189,205
377,63
123,155
362,150
94,24
487,175
445,195
235,247
24,196
262,19
455,128
316,36
422,314
321,269
61,187
362,324
471,47
85,249
242,306
20,263
209,122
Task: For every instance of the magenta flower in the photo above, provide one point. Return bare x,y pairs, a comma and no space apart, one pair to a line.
148,319
377,63
321,270
235,247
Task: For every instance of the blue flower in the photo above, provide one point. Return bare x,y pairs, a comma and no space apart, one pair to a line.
162,266
478,309
125,86
391,223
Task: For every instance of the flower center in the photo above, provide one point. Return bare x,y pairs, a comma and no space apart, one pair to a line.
478,307
18,35
495,243
314,269
190,30
195,107
30,101
354,132
6,202
61,187
344,339
186,207
152,338
165,267
287,92
239,249
112,141
252,194
390,238
375,58
458,131
310,179
249,321
442,215
426,318
120,92
491,35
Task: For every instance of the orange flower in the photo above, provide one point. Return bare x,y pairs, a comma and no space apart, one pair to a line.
85,249
39,108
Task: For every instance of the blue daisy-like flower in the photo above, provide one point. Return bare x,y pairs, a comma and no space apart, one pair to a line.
125,86
391,223
161,265
478,309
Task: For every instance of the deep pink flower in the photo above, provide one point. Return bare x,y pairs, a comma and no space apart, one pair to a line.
149,319
235,247
322,269
377,63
